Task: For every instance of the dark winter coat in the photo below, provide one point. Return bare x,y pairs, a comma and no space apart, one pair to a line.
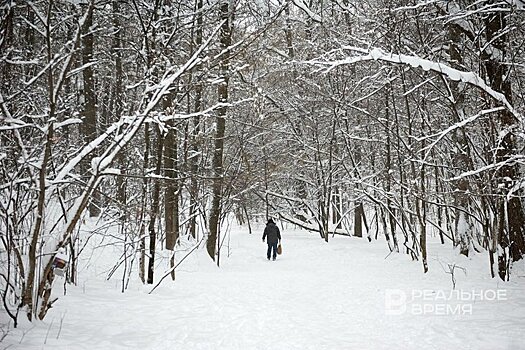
272,233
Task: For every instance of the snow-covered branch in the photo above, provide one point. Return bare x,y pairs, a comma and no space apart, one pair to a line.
122,138
440,135
510,161
377,54
303,6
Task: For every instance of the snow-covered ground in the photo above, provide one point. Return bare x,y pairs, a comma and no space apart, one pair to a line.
347,294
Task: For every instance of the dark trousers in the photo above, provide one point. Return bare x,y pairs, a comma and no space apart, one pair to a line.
270,247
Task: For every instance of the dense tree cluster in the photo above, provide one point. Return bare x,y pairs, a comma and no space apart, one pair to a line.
400,119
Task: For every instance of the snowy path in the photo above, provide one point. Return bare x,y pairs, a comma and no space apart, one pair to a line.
316,296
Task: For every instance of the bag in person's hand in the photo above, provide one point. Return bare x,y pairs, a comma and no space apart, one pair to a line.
279,249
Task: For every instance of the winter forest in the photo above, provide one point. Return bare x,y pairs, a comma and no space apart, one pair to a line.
155,138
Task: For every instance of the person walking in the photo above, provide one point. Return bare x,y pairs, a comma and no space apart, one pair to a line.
273,237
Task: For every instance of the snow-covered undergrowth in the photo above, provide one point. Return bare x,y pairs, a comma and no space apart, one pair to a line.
347,294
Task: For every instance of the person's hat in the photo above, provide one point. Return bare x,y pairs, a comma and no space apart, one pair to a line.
270,221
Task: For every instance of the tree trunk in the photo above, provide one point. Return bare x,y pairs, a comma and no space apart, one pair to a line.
510,214
421,210
171,191
89,107
117,99
222,90
154,214
289,33
171,194
460,158
336,207
358,218
143,206
388,175
28,298
421,215
194,159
